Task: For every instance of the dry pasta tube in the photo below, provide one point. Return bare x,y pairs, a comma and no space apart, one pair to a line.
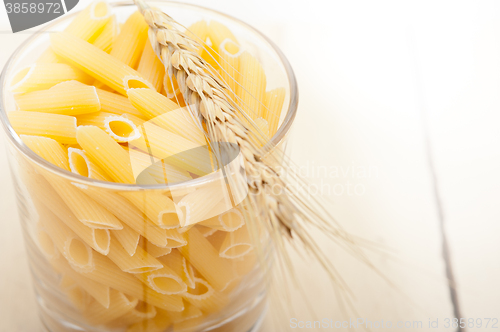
140,262
228,221
164,281
154,250
142,311
66,98
46,245
130,42
205,259
120,304
79,163
105,39
96,62
252,86
121,129
236,244
97,239
204,297
61,128
151,67
116,104
273,103
90,21
128,238
199,32
42,76
229,53
181,122
129,214
150,103
107,273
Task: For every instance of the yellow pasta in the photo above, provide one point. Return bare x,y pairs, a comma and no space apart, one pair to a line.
206,231
97,63
151,67
106,153
107,273
150,103
129,214
119,305
158,207
179,151
177,263
228,221
90,21
128,238
121,129
130,42
108,35
229,53
139,262
157,324
48,56
194,206
205,258
86,210
80,164
236,244
65,98
78,297
116,104
190,312
153,249
199,32
217,33
263,126
77,253
273,102
100,292
41,76
48,149
164,281
252,87
61,128
47,246
204,297
181,122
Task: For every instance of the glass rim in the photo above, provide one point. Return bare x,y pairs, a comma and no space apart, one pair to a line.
15,139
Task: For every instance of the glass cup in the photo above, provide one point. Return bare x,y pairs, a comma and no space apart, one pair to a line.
93,278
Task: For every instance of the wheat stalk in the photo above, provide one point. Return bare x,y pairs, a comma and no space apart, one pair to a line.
285,212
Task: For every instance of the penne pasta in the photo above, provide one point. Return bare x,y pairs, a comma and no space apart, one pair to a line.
252,87
48,149
205,258
105,39
121,129
236,244
206,231
97,63
190,312
150,103
128,238
229,53
48,56
100,292
228,221
151,67
164,281
217,33
177,263
142,311
67,98
78,297
204,297
80,164
194,206
119,305
153,249
140,262
263,127
129,214
199,32
42,76
107,273
86,210
175,238
273,103
156,206
130,42
46,245
61,128
90,21
116,104
97,239
106,153
181,122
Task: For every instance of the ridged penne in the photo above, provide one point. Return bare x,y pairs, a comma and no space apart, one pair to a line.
263,126
80,164
236,244
139,262
78,296
90,21
142,311
128,238
116,104
194,206
46,245
65,98
78,254
164,281
151,67
106,153
204,297
61,128
42,76
86,210
273,103
105,39
199,32
206,231
229,54
156,206
177,263
175,239
129,214
48,149
121,129
97,63
107,273
48,56
119,305
181,122
205,258
228,221
150,103
98,239
130,42
218,32
153,249
100,292
252,85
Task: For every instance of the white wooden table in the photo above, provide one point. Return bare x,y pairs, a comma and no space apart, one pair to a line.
374,77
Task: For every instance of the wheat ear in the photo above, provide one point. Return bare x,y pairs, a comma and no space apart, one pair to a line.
288,214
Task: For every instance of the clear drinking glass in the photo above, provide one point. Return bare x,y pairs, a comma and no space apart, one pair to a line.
72,296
